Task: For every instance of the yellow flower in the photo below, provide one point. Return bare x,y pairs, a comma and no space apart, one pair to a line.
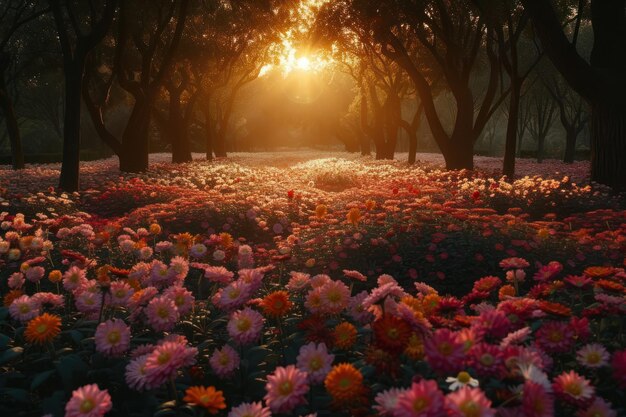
354,216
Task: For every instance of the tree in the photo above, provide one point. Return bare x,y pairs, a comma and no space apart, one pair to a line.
81,26
14,14
542,109
600,81
146,42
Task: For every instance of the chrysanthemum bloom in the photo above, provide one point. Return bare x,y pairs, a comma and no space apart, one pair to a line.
43,329
423,399
487,360
209,398
286,389
162,314
183,298
198,250
24,308
298,281
16,280
233,296
313,301
315,361
574,389
245,326
356,310
136,373
548,272
469,402
514,263
354,216
618,364
250,410
444,352
555,337
593,355
112,337
334,296
166,360
224,361
344,383
536,402
461,380
218,274
599,408
391,333
120,292
276,304
55,276
531,373
386,402
88,401
344,335
74,278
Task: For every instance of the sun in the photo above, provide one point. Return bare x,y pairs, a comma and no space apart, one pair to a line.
303,63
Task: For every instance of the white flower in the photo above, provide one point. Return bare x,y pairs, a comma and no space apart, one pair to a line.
531,373
461,380
219,255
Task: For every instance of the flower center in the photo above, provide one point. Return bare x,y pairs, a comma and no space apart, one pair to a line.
41,329
163,312
573,389
24,308
555,336
393,333
163,358
244,325
463,377
420,404
285,388
114,337
445,348
593,357
486,359
87,405
315,364
470,409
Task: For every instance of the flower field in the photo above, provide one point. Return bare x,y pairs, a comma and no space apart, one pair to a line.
306,284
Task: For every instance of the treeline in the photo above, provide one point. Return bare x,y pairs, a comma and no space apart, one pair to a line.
180,66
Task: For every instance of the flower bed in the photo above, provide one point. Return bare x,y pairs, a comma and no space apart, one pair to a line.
244,290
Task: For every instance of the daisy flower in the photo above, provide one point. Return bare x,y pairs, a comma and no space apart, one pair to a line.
224,361
344,382
574,389
462,379
250,410
536,401
165,362
24,308
162,314
245,326
599,408
469,402
43,329
423,399
208,398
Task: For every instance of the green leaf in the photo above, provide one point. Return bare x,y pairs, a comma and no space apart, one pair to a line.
72,370
4,340
10,354
40,378
18,394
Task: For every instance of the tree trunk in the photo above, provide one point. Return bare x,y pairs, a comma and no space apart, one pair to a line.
219,146
508,168
608,144
412,146
136,139
460,154
570,145
541,140
70,166
17,155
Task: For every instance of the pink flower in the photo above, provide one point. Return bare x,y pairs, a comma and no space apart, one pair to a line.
183,298
514,263
24,308
354,275
112,337
245,326
599,408
16,280
74,278
555,337
165,362
233,296
548,272
536,402
423,399
444,352
218,274
35,273
136,373
487,360
162,314
120,293
469,402
298,281
88,401
334,297
574,389
286,389
315,361
387,402
250,410
224,361
592,355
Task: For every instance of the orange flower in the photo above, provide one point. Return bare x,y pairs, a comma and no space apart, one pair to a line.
321,210
10,296
430,303
55,276
354,216
392,333
43,329
506,291
226,239
556,309
599,271
370,204
276,304
605,284
155,229
344,382
208,398
344,335
415,347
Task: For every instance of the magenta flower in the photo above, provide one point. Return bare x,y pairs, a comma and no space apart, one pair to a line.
88,401
112,337
286,389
